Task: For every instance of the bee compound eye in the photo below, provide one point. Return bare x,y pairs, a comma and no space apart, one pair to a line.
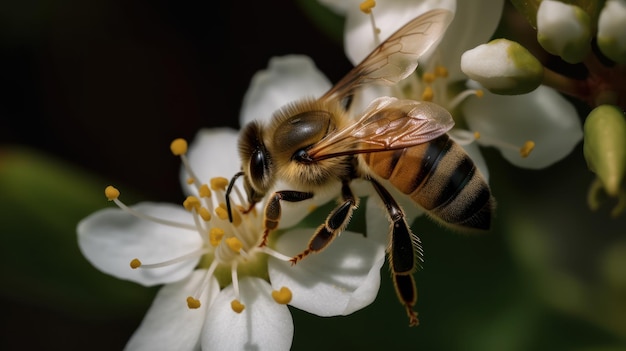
258,164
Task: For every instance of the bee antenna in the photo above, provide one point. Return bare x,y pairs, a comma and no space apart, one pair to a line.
227,195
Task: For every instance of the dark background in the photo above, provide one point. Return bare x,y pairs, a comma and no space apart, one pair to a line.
100,88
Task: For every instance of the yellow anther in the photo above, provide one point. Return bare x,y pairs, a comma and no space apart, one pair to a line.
205,214
215,236
312,208
111,193
135,263
179,147
190,180
191,202
193,303
479,93
282,296
527,148
237,306
441,71
234,244
476,135
219,183
205,191
367,6
222,213
428,94
429,77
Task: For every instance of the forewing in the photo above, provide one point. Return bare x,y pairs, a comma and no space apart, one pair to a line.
388,124
395,58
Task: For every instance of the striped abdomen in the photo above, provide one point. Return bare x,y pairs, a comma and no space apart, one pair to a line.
441,178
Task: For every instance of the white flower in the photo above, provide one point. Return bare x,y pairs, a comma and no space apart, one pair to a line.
224,291
479,120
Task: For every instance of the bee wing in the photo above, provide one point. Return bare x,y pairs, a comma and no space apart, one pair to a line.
387,124
395,58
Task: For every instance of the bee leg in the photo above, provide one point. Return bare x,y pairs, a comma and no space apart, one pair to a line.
404,250
273,209
335,223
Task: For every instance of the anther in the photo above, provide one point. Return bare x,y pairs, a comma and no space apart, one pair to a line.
428,77
367,6
190,180
282,296
204,191
234,244
219,183
205,214
527,148
476,135
191,202
215,236
193,303
441,71
178,147
135,263
237,306
428,94
111,193
222,213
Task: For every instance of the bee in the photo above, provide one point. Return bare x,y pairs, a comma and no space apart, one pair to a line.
314,143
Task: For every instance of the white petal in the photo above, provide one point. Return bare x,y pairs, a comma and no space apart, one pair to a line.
542,116
287,79
473,25
212,153
342,279
169,323
262,325
111,238
359,38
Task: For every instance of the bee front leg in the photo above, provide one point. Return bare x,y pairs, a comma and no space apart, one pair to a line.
404,251
335,223
273,209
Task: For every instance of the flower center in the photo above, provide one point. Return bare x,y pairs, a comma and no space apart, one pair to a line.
229,249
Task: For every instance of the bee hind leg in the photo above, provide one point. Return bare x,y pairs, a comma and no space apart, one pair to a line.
404,252
273,209
335,223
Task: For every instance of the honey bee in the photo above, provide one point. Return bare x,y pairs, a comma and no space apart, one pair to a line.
313,143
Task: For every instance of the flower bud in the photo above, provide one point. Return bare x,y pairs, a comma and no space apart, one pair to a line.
563,30
612,30
503,66
605,146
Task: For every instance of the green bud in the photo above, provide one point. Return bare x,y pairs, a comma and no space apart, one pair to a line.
503,66
605,146
564,30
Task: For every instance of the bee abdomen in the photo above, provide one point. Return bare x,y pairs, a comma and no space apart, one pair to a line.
441,178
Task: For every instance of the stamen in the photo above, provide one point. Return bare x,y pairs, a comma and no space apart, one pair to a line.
178,147
237,306
526,149
428,77
282,296
222,213
367,6
441,71
205,214
464,95
476,135
190,181
219,183
234,244
112,194
204,191
193,303
136,263
191,203
215,236
428,94
275,254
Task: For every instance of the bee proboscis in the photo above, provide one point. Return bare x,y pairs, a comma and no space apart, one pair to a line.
313,143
